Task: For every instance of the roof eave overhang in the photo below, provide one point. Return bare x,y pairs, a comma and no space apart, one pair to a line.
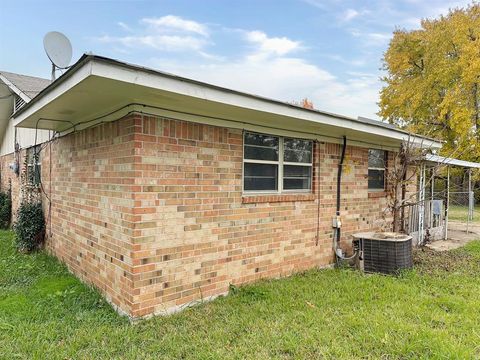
142,84
14,88
437,160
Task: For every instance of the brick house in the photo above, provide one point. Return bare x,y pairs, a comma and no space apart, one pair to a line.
161,191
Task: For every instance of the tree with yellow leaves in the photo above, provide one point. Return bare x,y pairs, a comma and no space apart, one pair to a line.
432,86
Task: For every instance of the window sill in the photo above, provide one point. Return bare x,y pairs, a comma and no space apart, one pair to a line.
375,194
273,198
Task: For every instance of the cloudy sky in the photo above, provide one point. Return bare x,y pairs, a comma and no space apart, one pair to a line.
328,51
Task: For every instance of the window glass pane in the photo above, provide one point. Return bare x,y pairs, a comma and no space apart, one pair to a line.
38,174
33,166
296,184
376,158
261,147
296,171
297,177
297,150
376,179
260,153
260,176
261,140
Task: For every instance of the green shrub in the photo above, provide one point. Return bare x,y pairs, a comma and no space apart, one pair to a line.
30,226
5,210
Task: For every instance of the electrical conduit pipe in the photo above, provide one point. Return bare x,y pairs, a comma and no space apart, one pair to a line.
337,221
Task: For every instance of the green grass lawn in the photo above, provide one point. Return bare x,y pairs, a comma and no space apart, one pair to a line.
459,213
432,312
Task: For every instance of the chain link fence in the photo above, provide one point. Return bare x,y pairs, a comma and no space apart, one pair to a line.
462,206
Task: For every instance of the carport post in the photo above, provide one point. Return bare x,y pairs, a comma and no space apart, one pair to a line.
447,202
421,204
432,194
469,216
470,195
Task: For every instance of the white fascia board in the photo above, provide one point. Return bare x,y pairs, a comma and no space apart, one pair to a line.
440,160
81,74
15,89
421,142
148,79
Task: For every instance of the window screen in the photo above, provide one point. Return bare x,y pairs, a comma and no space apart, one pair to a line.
297,164
376,169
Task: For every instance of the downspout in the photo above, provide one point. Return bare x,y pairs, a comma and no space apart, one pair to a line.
317,185
339,175
337,224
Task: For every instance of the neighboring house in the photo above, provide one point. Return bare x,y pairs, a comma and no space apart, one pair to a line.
162,191
15,91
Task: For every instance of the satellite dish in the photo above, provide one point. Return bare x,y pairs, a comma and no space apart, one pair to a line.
58,49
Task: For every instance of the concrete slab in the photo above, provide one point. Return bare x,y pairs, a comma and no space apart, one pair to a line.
457,236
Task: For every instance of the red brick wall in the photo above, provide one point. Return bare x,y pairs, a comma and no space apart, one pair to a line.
151,212
195,233
91,223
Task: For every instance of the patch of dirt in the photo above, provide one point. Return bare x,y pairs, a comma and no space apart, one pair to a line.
430,261
473,228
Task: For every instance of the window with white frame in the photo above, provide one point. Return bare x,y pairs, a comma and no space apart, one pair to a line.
276,164
376,169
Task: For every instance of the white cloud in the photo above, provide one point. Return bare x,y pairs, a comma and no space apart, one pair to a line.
176,23
287,79
272,45
316,3
269,68
124,26
348,61
167,33
349,14
378,39
372,38
158,42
